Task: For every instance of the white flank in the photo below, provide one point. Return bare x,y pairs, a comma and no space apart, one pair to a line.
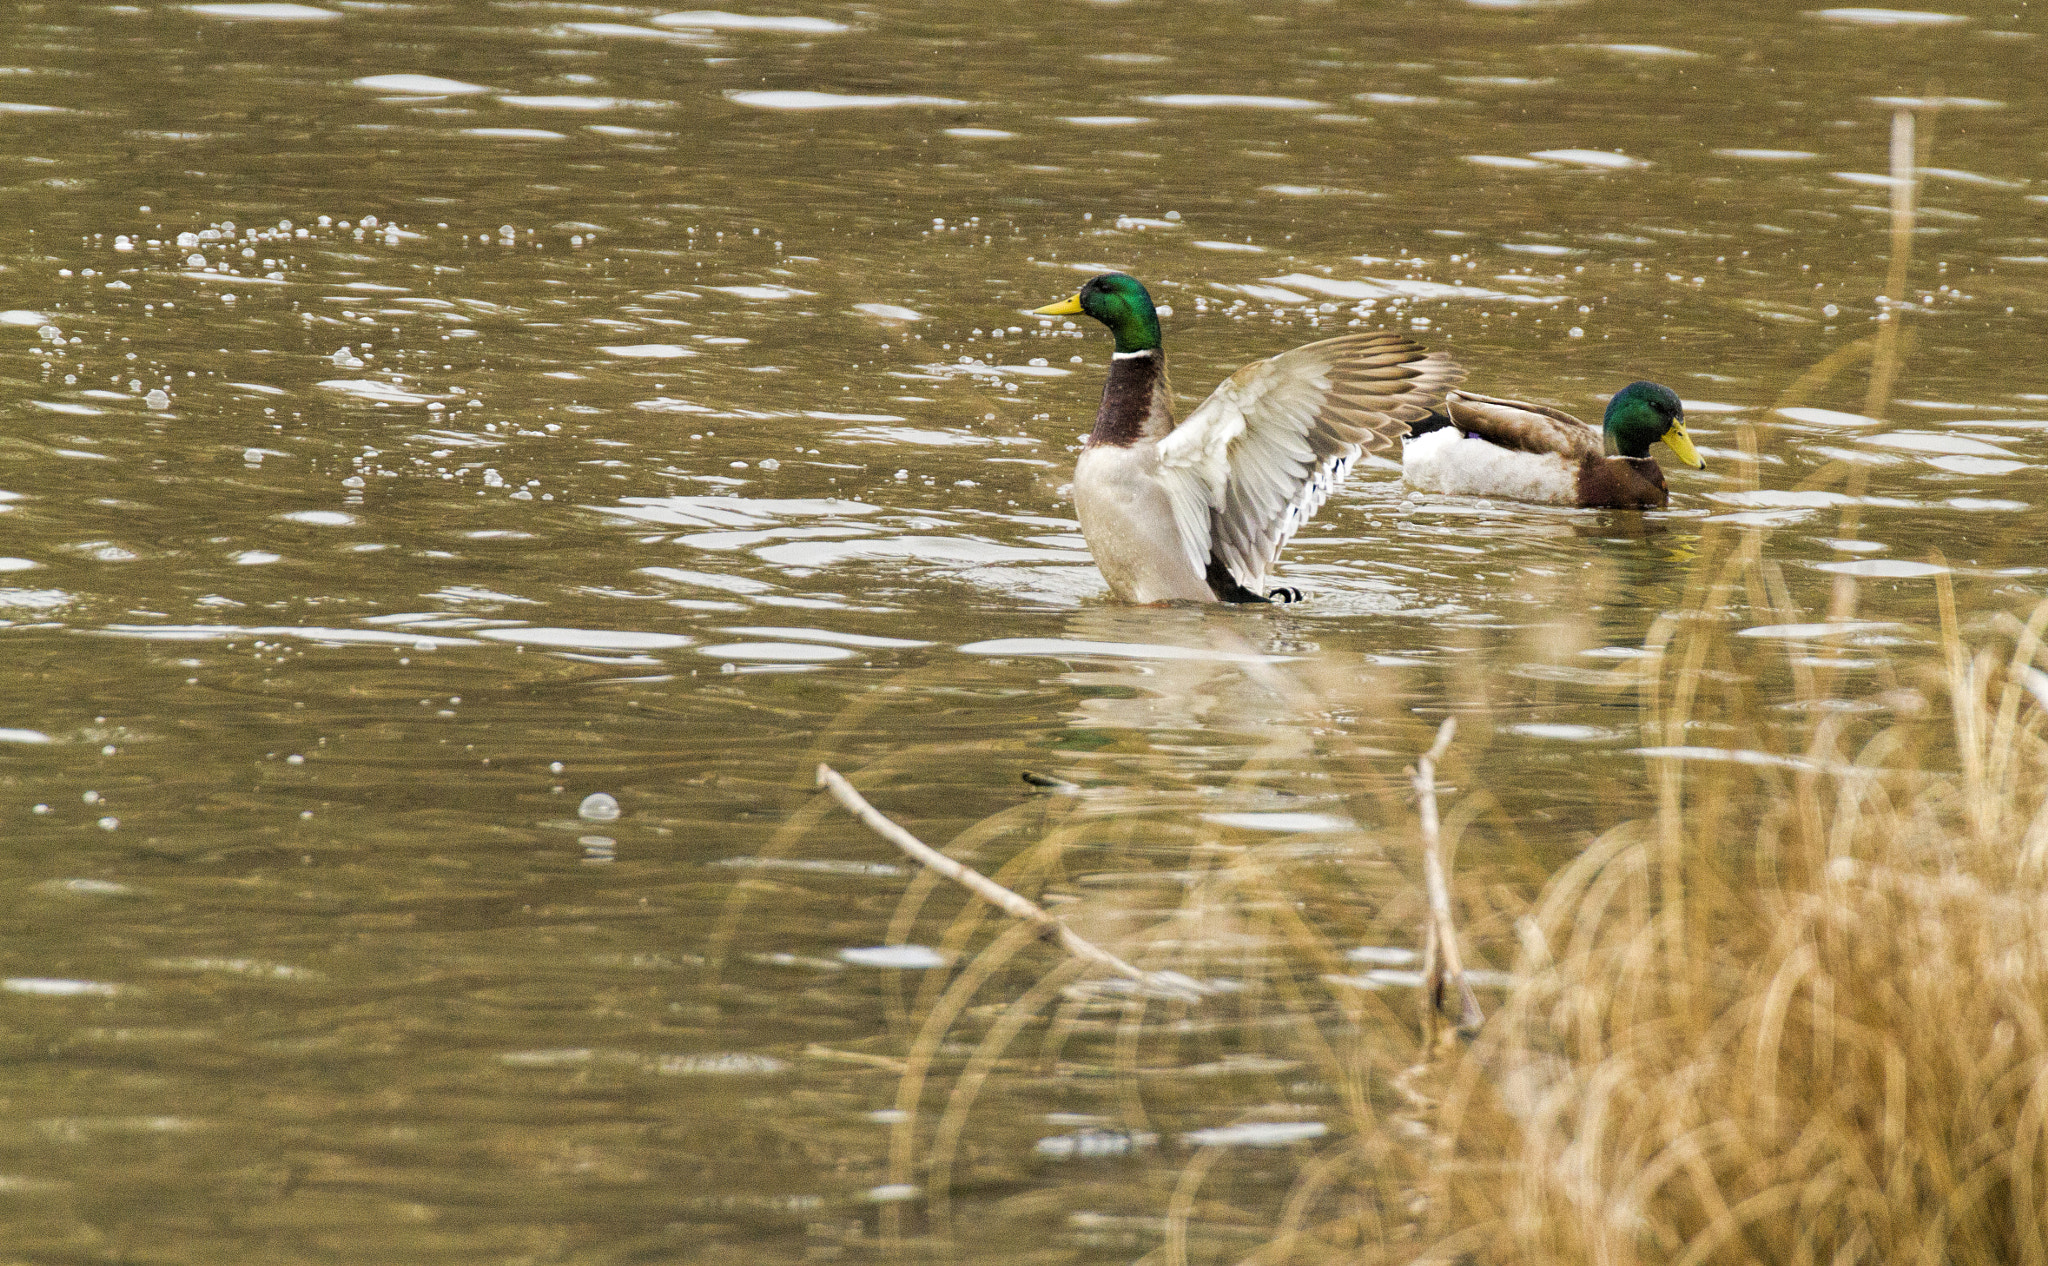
1449,462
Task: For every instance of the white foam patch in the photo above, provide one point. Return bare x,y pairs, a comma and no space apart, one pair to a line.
418,85
1064,648
561,102
1599,158
1828,417
888,312
1257,1134
1398,288
649,351
45,987
588,639
776,652
1564,732
1924,442
264,12
899,957
1643,50
1228,100
796,100
1882,568
714,20
763,292
1448,462
371,389
1889,17
825,635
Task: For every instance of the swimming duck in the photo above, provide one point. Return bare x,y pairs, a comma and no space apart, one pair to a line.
1488,447
1198,511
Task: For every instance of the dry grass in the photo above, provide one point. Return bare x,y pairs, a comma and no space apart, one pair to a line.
1797,1012
1801,1016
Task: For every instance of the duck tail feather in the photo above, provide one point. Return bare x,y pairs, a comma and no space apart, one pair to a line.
1226,586
1436,421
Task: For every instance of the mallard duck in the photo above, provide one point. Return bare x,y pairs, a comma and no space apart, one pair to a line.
1488,447
1198,511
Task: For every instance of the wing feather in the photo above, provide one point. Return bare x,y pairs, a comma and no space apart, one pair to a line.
1266,449
1524,427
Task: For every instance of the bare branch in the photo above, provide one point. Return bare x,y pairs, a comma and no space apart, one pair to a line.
1011,903
1442,932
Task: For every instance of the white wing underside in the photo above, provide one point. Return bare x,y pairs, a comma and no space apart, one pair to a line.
1259,457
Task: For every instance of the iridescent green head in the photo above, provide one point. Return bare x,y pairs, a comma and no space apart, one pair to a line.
1120,303
1643,413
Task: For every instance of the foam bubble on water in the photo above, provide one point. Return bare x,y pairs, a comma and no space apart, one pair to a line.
598,806
24,317
157,398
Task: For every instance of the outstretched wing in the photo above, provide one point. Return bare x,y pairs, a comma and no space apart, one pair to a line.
1263,452
1522,426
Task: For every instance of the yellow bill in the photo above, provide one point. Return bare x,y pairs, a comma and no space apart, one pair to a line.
1065,307
1681,444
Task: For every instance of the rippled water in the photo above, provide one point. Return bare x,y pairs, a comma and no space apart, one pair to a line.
466,465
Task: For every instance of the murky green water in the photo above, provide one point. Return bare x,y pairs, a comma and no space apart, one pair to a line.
650,412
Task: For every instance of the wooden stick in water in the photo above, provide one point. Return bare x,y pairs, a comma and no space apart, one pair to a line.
1441,935
1010,903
